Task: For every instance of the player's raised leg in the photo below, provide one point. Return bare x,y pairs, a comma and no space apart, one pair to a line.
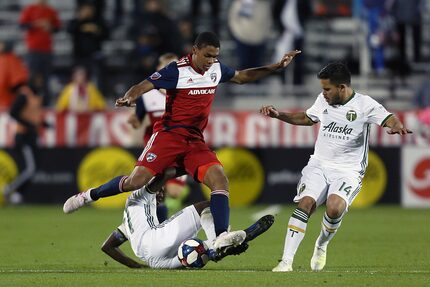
331,222
138,178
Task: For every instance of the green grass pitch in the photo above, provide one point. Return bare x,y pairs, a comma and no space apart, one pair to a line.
380,246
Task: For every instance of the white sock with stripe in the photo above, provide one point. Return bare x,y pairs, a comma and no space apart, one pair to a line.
295,233
329,227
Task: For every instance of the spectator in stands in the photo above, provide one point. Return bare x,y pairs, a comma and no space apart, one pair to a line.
88,33
155,18
40,21
250,23
375,10
80,95
98,6
155,34
407,13
215,6
290,16
13,75
28,112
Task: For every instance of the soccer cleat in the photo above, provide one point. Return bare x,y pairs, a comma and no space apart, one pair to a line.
232,238
319,257
226,251
259,227
75,202
283,266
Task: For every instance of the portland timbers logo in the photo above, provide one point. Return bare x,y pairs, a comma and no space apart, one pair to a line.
302,188
351,115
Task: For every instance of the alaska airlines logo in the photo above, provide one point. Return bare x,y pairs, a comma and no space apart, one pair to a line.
420,183
202,92
333,128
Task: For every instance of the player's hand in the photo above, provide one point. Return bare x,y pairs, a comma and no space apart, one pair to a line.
124,102
400,131
269,111
134,121
288,57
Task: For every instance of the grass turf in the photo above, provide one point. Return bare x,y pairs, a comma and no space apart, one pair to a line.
381,246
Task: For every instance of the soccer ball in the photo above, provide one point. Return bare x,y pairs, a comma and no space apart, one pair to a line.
193,253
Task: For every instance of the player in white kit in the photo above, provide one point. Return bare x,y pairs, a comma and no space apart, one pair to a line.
157,244
335,171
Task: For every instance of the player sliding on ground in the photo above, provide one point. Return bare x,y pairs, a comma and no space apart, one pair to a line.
157,244
178,137
335,171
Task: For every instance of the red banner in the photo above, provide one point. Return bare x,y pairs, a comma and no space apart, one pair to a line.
226,128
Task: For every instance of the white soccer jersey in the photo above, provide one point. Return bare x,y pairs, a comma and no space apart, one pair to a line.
343,137
157,244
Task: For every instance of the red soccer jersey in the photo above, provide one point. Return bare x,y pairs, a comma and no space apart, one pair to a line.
189,95
37,38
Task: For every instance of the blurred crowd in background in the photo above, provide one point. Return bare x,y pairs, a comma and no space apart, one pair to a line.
81,55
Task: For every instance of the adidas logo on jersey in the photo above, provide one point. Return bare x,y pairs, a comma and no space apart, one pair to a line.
190,81
325,111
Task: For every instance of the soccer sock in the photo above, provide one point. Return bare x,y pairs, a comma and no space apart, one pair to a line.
295,233
207,222
162,212
220,210
329,227
112,187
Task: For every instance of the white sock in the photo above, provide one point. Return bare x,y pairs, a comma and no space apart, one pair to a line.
295,233
207,222
329,227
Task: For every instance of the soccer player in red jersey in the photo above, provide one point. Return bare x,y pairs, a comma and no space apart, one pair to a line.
178,137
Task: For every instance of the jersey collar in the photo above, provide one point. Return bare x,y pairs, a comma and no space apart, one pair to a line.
349,99
190,57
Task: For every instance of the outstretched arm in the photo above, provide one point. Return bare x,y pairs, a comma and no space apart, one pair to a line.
298,118
133,93
396,126
253,74
111,248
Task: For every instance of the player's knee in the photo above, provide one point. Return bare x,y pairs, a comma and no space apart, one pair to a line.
307,204
215,178
335,207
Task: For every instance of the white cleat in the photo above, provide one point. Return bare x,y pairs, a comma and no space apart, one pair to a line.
234,238
283,266
318,260
75,202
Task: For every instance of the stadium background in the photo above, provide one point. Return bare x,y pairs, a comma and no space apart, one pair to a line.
398,165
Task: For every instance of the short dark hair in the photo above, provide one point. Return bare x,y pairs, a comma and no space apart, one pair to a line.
337,72
207,39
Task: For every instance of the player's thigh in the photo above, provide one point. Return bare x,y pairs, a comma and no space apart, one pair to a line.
198,159
345,185
168,235
313,183
161,151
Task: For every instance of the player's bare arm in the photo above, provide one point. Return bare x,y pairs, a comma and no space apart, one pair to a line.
253,74
297,118
395,126
133,93
111,248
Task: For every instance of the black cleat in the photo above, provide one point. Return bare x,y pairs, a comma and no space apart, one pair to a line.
259,227
226,251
